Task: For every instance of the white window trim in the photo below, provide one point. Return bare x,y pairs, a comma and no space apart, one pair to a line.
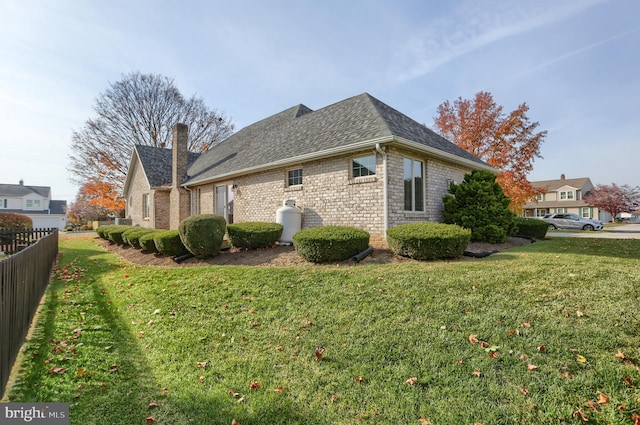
413,189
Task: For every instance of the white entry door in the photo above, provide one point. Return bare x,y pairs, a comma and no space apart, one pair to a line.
224,202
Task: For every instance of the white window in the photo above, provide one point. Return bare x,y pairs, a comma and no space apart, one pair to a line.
560,210
566,195
585,212
413,185
33,203
540,197
294,177
363,166
198,200
145,205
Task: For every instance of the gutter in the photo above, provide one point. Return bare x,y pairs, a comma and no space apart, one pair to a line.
340,150
385,189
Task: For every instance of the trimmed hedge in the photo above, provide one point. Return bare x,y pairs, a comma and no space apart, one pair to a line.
330,243
114,233
428,241
15,221
146,241
132,236
254,234
102,232
533,227
168,243
202,234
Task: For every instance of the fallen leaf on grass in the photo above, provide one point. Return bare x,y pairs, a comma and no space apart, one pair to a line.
234,422
203,364
278,389
636,419
603,398
532,367
334,397
81,372
319,352
493,354
233,393
424,421
627,381
113,368
358,379
152,405
523,391
526,325
592,405
473,339
477,373
579,313
541,347
580,415
620,355
581,359
57,370
254,385
164,391
150,420
412,380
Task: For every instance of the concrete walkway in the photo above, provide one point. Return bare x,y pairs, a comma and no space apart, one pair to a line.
627,231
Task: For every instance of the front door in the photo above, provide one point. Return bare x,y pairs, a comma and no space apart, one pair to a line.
224,202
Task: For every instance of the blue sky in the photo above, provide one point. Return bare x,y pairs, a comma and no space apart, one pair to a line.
576,63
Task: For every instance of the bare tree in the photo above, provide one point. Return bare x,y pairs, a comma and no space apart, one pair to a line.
139,109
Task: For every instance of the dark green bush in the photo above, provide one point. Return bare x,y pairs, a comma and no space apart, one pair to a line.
132,236
102,232
330,243
114,233
428,241
533,227
146,241
479,204
254,234
168,243
202,234
15,221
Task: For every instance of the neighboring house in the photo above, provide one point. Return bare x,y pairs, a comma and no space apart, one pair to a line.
564,196
34,202
357,162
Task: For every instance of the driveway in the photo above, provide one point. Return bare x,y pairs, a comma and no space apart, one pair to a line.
628,231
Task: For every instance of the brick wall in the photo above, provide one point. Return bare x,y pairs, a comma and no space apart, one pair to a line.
328,196
137,187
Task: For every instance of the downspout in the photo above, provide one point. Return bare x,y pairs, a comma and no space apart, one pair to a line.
385,189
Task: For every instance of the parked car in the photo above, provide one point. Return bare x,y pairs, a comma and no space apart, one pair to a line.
571,221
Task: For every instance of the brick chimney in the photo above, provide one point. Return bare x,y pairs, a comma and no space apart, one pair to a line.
561,176
179,154
179,197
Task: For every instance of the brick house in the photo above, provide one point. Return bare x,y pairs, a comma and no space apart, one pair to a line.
564,196
358,162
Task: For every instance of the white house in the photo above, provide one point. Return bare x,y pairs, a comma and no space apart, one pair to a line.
34,202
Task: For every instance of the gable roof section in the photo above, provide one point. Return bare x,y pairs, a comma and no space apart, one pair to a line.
300,133
18,190
553,185
156,164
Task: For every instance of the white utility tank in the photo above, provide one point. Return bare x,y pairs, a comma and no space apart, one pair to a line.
290,217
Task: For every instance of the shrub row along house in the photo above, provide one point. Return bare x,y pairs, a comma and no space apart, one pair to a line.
35,202
358,162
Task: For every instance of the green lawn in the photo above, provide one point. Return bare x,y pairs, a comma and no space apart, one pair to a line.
543,334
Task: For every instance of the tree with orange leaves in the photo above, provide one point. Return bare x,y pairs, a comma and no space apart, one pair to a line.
509,143
103,196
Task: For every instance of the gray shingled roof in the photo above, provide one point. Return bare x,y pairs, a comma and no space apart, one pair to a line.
300,131
17,190
553,185
156,163
57,207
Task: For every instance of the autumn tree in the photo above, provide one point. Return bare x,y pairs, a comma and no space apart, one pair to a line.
614,199
139,109
97,198
509,143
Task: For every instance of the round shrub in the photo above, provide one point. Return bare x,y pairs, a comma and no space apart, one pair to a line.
146,241
533,227
132,236
330,243
202,234
168,243
254,234
114,233
428,241
102,232
15,221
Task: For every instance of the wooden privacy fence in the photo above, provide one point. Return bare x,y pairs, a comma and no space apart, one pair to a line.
15,240
24,277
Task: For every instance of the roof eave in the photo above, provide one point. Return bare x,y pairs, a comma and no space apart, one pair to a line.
341,150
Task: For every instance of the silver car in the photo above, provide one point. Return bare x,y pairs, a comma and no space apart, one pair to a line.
571,221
